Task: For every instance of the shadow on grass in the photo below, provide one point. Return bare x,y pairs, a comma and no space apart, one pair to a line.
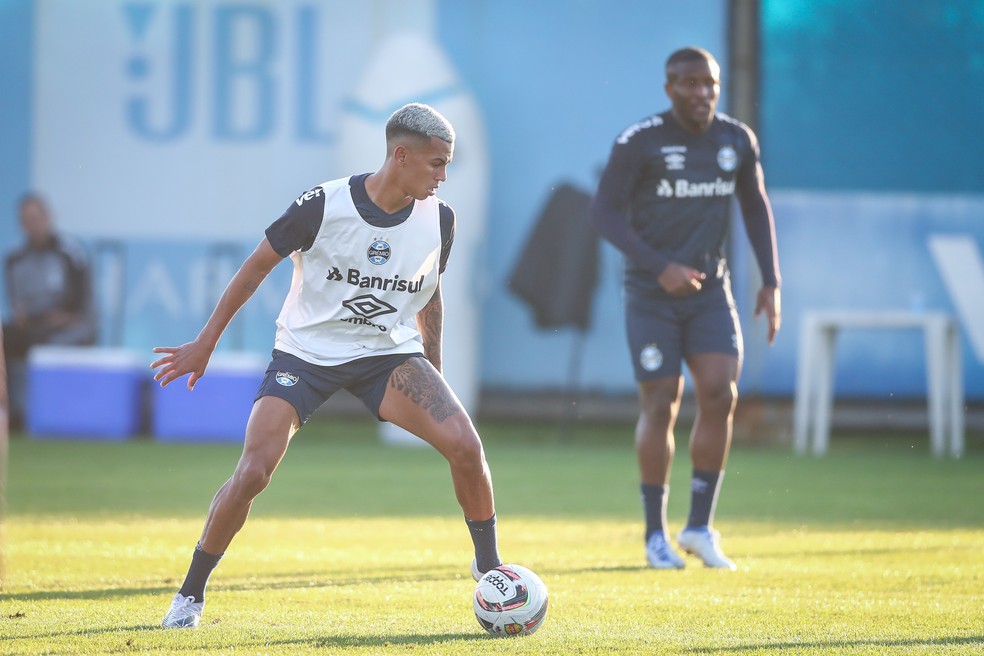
329,642
864,552
52,595
601,569
282,581
83,632
388,640
843,644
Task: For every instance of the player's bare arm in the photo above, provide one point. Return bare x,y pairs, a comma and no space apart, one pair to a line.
430,323
193,356
769,302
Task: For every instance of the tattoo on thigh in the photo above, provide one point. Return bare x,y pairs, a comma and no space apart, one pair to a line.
422,385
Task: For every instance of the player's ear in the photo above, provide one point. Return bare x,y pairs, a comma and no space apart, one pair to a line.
400,154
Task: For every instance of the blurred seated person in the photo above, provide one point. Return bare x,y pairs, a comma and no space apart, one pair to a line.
49,296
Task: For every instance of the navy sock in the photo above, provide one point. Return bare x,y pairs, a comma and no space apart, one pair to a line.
483,536
654,498
202,564
704,487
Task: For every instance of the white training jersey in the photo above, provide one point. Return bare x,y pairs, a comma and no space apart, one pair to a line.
356,290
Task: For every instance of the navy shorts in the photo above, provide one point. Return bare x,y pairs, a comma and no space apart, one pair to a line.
307,386
663,332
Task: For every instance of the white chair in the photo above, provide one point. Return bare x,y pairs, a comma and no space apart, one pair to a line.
815,368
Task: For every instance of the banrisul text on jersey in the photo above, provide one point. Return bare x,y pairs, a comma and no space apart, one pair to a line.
395,283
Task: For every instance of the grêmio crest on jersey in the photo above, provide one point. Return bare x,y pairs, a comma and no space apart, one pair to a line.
378,252
356,292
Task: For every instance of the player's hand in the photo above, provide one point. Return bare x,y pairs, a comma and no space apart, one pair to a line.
768,301
191,358
680,280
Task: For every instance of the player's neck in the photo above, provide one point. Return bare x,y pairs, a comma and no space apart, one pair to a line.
386,195
693,128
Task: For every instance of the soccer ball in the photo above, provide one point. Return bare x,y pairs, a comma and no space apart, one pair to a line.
510,600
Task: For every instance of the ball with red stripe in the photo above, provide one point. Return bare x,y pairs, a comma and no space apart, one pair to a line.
510,600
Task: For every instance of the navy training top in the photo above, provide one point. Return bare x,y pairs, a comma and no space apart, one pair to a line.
665,196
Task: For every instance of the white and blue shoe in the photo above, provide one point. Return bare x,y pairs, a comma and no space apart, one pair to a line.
705,543
476,573
185,613
660,554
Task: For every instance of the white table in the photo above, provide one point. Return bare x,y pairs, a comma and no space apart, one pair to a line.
815,368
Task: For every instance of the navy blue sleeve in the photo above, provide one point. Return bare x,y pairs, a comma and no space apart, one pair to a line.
298,226
447,233
756,212
611,204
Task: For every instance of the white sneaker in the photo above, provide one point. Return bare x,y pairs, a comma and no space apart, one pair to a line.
185,613
660,554
477,574
704,543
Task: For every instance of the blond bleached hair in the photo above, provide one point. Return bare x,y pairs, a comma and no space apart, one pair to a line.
418,120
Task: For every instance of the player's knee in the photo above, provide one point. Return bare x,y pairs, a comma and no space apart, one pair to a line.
660,398
719,398
657,414
658,409
250,479
466,451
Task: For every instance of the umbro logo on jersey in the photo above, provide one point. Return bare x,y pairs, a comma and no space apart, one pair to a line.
675,161
308,195
687,189
367,307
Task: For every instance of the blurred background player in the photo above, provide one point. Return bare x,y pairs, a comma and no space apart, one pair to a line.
49,295
665,201
364,313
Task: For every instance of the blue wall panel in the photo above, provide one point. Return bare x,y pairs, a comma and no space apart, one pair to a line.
860,251
15,111
873,94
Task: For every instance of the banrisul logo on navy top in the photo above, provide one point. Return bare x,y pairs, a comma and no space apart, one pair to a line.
379,252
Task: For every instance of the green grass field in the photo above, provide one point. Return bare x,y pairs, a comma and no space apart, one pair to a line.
359,548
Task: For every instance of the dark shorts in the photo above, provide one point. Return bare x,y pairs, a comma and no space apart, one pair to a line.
663,332
307,386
